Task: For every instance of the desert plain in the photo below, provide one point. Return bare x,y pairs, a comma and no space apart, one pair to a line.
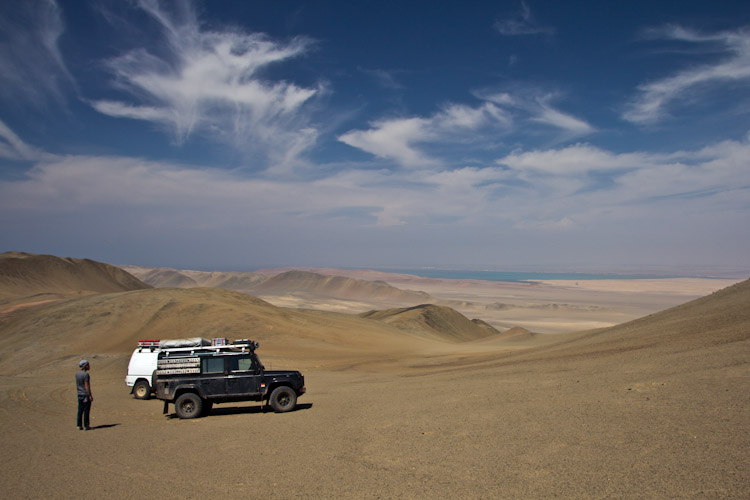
603,389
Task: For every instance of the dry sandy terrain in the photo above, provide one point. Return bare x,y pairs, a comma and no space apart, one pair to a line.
654,408
543,307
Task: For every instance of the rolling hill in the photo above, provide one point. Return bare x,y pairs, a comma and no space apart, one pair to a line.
173,278
292,282
438,321
111,323
25,274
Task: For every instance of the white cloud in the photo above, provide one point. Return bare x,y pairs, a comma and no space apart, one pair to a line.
209,83
393,139
528,186
122,110
588,184
549,193
32,68
404,139
574,160
653,99
534,106
573,126
13,148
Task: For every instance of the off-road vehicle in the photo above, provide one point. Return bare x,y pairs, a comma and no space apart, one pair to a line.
194,379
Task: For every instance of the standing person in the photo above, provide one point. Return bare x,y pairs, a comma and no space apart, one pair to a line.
83,386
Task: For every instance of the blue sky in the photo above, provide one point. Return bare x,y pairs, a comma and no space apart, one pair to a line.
502,135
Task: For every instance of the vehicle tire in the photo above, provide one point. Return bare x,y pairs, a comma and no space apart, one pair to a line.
141,390
188,405
283,399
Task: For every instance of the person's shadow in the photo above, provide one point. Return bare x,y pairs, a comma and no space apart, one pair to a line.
104,426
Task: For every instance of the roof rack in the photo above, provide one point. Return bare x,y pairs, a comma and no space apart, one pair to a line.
217,345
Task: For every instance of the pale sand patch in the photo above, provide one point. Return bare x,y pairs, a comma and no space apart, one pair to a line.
562,306
697,287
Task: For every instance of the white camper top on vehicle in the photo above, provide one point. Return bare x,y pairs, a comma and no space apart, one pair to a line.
144,360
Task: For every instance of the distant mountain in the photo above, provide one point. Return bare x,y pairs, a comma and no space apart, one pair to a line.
166,278
174,278
292,282
439,321
25,274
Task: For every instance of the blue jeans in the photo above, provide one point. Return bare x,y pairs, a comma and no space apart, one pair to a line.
84,408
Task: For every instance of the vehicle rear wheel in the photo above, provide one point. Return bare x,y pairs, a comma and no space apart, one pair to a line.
283,399
141,390
188,405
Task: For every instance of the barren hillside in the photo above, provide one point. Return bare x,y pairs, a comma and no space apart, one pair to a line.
24,274
438,321
653,408
174,278
335,286
112,323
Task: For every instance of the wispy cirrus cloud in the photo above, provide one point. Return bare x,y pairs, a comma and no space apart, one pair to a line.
522,23
32,68
654,98
409,141
209,82
385,79
584,181
13,148
404,139
569,124
536,106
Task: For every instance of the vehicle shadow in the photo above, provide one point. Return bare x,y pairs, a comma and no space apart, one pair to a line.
241,410
238,410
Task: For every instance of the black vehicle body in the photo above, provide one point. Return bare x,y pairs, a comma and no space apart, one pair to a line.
194,381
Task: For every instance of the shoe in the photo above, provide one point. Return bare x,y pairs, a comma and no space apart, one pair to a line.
79,427
88,428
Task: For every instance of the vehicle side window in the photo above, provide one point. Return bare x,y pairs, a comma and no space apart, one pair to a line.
212,365
244,363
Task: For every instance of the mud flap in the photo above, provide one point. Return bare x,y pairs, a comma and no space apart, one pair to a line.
166,407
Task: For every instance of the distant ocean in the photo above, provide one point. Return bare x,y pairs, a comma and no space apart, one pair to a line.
518,277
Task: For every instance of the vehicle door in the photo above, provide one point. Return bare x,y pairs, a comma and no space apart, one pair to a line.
212,376
243,375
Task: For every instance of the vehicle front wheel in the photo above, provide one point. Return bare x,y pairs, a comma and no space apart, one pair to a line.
283,399
141,390
188,405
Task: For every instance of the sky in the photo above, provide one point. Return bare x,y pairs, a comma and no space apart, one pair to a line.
503,135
